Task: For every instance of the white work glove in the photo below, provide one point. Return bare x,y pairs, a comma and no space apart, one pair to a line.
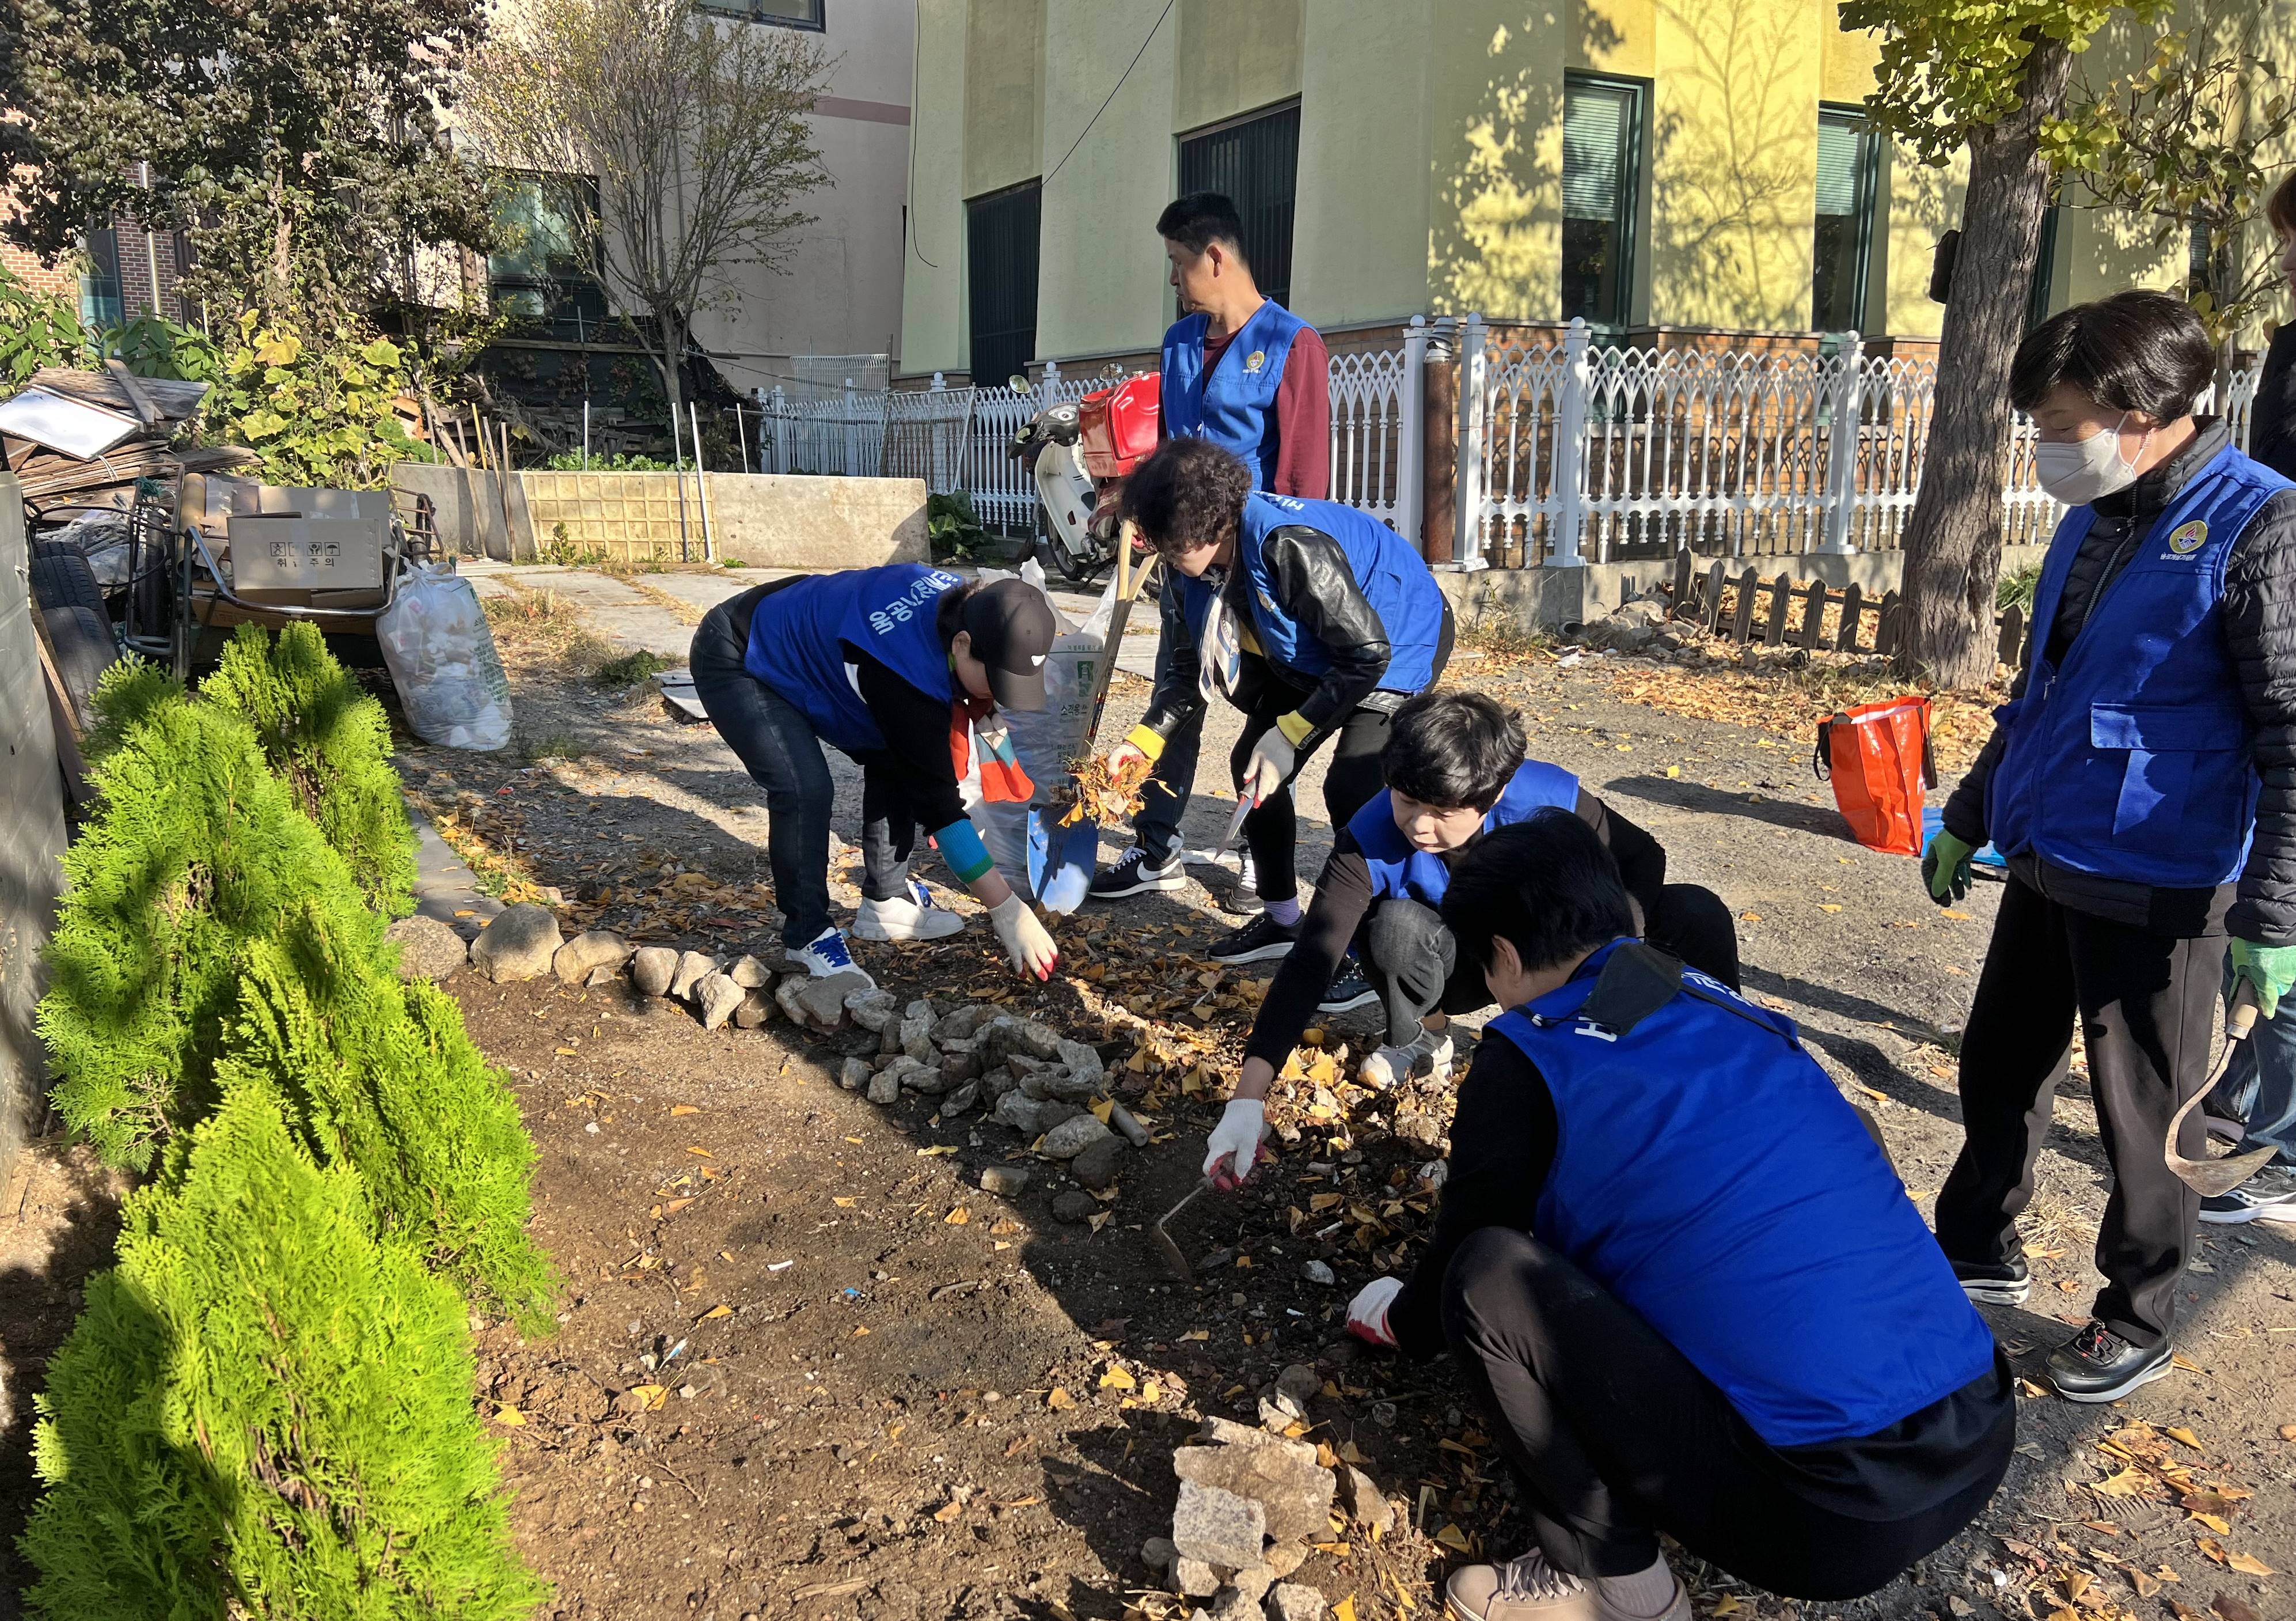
1367,1311
1270,763
1235,1142
1028,945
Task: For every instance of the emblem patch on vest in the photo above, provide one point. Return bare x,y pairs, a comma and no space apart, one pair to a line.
1255,360
2186,538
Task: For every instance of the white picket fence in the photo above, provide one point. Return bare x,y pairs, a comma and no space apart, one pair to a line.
1566,451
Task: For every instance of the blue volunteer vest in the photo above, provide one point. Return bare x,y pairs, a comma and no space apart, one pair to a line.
798,634
2133,762
1392,576
1398,869
1709,1174
1234,405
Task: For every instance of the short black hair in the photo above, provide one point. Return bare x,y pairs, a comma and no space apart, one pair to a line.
2280,208
2135,351
1189,493
1453,749
1548,883
1201,219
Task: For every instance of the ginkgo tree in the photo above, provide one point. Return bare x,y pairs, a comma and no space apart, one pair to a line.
1996,78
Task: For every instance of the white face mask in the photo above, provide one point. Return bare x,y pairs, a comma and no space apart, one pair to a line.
2079,472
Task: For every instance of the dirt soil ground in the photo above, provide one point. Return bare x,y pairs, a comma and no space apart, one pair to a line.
807,1368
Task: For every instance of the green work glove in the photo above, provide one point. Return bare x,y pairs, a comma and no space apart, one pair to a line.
2270,968
1945,868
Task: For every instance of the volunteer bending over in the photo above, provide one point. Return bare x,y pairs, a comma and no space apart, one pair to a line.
1456,771
895,667
1679,1316
1315,620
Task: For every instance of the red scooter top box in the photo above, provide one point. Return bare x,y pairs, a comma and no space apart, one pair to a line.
1119,425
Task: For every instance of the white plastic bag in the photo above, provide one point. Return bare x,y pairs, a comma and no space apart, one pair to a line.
441,654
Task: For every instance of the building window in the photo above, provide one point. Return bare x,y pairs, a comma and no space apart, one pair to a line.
540,274
100,300
781,14
1254,164
1849,161
1001,265
1601,186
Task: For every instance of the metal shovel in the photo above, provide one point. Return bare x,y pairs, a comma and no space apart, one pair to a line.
2211,1177
1162,1240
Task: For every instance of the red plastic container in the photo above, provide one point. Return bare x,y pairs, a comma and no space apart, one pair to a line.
1120,424
1877,756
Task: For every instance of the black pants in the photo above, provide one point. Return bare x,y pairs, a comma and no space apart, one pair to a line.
1415,960
1164,799
1272,832
2148,1009
1614,1437
781,752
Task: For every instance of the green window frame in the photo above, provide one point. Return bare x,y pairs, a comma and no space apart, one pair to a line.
1603,123
1841,246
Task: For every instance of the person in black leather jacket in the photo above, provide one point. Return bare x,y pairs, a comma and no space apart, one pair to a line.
1321,620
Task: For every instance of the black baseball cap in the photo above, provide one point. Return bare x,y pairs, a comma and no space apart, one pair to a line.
1011,627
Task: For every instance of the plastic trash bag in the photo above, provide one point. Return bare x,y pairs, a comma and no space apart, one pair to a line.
441,654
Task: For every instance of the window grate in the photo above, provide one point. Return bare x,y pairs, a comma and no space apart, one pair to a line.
1602,188
1254,164
1001,248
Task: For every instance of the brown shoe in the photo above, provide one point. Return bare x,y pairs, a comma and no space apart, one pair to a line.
1528,1588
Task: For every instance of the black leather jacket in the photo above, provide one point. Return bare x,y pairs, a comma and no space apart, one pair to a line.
1315,585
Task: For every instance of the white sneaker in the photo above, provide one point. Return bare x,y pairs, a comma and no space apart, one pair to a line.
825,957
911,917
1429,1050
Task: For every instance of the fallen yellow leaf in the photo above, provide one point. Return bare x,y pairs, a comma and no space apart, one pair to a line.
1057,1398
1452,1537
958,1217
2178,1432
1345,1610
1829,907
716,1311
565,1052
2249,1565
704,1152
857,1333
507,1414
842,1203
651,1396
948,1511
937,1150
1115,1378
683,1108
2213,1522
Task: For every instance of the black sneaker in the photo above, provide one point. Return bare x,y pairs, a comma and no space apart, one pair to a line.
2006,1283
1133,875
1349,989
1256,941
2268,1196
2097,1365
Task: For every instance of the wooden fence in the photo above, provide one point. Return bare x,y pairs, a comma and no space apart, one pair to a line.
1781,612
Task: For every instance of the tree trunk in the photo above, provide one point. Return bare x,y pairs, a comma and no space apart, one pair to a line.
1953,540
672,360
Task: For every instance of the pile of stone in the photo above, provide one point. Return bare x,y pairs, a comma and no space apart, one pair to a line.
1251,1500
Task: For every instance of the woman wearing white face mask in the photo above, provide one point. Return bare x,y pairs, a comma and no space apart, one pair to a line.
2141,783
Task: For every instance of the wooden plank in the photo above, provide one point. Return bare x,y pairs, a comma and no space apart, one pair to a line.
1773,632
1885,638
1741,622
1813,614
1853,609
1709,609
2012,641
1680,607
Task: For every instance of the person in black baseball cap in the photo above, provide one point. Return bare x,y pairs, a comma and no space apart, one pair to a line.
903,668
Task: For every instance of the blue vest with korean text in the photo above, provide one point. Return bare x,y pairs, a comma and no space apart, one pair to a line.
799,634
1234,405
1707,1172
1398,869
2133,760
1391,575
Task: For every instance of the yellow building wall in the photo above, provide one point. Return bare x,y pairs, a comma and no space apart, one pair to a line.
1003,93
1100,276
1233,58
1734,162
1495,172
933,325
1359,234
1916,206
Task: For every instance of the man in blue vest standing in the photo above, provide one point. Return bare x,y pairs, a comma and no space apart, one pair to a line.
2141,783
1679,1276
1248,374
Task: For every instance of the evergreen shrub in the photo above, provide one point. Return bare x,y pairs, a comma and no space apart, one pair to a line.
265,1410
331,741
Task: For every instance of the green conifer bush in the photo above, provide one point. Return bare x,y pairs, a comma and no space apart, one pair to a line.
265,1410
125,694
380,1074
331,744
196,851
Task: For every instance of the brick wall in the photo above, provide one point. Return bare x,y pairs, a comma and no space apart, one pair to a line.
37,276
140,251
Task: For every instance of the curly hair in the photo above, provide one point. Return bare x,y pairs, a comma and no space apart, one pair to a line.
1189,494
